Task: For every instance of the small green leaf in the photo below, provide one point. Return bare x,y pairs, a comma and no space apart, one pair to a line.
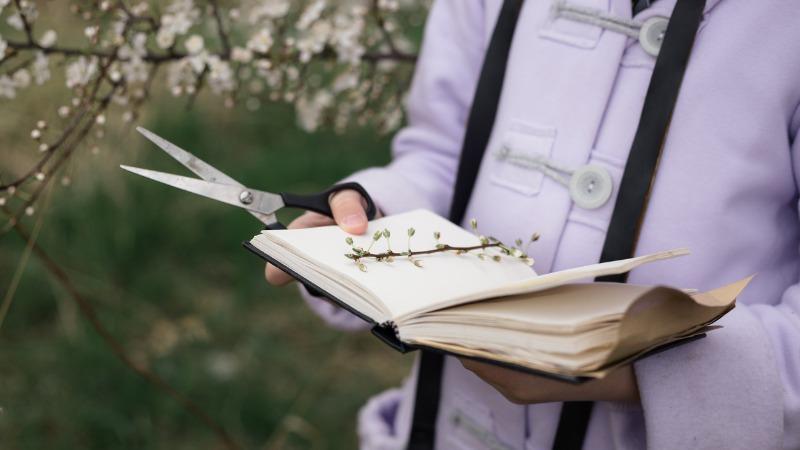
411,232
386,233
349,240
377,235
362,267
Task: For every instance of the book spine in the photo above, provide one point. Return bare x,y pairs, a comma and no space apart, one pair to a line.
387,332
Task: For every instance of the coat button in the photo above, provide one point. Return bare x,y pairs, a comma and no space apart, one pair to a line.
590,186
651,35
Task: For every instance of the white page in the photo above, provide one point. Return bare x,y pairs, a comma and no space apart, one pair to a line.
401,286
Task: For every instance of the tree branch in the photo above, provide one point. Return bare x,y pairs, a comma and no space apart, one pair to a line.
223,35
25,24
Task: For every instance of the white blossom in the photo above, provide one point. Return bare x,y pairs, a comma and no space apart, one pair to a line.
345,81
313,41
261,41
270,9
242,55
48,39
80,71
22,78
91,32
309,111
41,68
388,5
15,21
3,4
312,12
133,66
3,46
220,75
7,87
179,17
194,44
346,38
139,8
392,119
180,74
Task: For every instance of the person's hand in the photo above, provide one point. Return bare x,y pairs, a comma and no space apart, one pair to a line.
522,388
349,212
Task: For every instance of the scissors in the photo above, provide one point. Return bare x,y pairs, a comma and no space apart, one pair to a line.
220,187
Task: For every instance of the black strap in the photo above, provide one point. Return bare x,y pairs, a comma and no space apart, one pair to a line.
478,130
629,209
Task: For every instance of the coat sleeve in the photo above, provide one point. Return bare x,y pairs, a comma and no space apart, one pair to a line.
426,151
738,389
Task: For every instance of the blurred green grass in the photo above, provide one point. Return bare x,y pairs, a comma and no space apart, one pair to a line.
168,276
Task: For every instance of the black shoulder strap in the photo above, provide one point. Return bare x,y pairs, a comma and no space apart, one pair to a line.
478,130
629,209
638,177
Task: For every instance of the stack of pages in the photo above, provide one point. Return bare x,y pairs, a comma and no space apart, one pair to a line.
503,312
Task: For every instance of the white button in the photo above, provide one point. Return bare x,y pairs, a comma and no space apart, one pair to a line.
590,186
651,36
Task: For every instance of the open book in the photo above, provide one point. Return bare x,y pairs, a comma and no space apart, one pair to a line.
502,312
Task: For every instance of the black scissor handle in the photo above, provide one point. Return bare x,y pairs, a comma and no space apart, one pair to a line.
320,202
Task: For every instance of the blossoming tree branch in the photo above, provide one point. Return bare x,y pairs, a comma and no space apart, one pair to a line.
340,63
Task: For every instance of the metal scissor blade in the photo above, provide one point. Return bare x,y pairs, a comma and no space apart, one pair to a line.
264,203
203,169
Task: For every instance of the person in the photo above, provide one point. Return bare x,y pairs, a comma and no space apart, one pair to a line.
726,187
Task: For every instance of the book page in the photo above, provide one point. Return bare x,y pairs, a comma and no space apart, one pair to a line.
564,309
400,286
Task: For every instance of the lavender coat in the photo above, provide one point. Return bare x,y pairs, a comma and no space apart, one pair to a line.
727,188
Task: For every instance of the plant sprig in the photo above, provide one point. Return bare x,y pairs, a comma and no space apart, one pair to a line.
359,254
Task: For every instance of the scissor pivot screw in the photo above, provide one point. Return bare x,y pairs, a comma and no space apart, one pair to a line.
246,197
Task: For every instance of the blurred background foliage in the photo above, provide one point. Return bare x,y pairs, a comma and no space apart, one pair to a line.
168,277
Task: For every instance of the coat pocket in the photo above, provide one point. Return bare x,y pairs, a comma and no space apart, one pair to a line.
521,144
469,425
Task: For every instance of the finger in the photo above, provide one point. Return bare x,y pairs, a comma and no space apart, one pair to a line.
309,220
348,211
275,276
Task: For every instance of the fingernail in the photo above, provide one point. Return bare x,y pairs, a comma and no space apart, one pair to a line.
353,220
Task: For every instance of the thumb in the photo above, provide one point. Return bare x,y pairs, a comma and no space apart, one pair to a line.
348,211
